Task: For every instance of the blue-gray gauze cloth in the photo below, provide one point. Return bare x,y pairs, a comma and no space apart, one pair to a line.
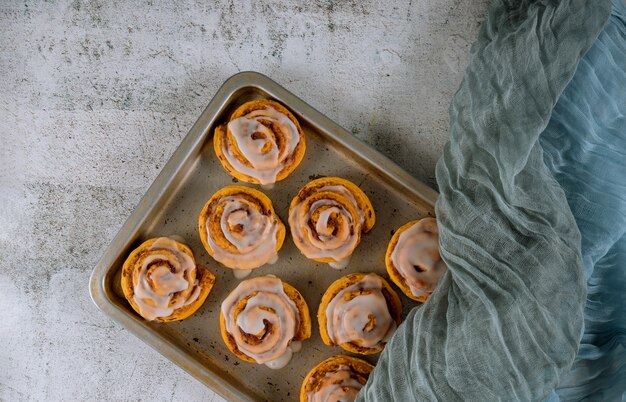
531,217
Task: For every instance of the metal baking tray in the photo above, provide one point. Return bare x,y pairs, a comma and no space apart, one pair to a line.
173,203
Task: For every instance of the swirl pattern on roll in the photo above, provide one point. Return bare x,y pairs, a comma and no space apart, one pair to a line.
162,282
239,228
263,320
359,312
262,143
327,218
339,378
413,260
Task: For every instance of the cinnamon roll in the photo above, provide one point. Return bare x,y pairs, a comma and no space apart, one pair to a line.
339,378
413,260
162,282
264,320
262,143
239,228
359,312
327,218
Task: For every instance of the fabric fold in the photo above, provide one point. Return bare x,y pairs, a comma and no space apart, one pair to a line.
507,317
585,149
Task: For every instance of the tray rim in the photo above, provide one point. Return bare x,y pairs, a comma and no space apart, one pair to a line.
214,378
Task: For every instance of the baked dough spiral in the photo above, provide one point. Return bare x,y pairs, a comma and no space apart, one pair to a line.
239,228
161,281
264,320
413,260
359,312
338,378
262,143
327,217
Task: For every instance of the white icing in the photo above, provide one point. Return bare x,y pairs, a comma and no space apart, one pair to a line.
178,238
418,246
336,386
171,276
195,293
341,264
168,281
348,194
241,273
348,319
263,154
285,358
255,239
244,273
296,346
277,347
328,241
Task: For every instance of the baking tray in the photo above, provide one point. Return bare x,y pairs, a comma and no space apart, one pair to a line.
173,203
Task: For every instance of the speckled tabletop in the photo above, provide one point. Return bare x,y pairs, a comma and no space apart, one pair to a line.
96,95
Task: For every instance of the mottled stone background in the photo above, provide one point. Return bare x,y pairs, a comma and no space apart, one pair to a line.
96,95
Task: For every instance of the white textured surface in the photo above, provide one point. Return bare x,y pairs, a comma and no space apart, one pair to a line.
94,98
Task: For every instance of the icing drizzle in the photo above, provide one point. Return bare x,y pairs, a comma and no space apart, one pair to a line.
359,314
248,230
332,238
264,157
348,194
336,386
416,257
269,315
162,282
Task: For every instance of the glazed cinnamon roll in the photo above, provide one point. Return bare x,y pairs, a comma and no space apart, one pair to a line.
339,378
413,260
264,321
360,313
327,218
239,228
262,143
162,282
